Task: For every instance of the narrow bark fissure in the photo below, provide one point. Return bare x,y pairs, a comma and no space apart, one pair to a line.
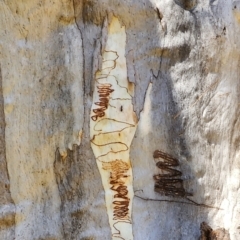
83,209
191,202
56,173
69,183
159,14
7,220
78,27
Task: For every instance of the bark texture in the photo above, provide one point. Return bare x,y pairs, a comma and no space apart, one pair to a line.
7,212
183,58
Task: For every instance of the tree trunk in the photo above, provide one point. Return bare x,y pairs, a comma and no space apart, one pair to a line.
119,119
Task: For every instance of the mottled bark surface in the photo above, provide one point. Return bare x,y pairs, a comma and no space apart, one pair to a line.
7,208
207,233
183,58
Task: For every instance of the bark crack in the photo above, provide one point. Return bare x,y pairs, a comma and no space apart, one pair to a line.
83,62
191,202
8,219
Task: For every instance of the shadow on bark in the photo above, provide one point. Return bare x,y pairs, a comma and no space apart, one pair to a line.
77,176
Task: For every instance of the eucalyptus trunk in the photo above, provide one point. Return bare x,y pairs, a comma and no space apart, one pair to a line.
119,119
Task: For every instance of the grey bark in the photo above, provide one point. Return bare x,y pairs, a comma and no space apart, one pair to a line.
7,212
183,58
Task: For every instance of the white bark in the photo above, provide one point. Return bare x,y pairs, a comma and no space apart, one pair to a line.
183,58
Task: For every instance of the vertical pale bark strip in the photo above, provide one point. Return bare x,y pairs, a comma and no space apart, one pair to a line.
112,127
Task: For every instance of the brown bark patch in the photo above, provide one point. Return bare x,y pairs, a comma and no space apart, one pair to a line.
207,233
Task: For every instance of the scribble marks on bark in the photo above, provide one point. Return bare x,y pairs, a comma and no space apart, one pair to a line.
112,127
104,91
118,170
168,182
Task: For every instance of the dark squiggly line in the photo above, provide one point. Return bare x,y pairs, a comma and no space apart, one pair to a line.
120,85
118,170
102,77
114,235
100,145
111,119
113,131
166,183
103,155
114,65
107,68
108,75
110,105
121,207
181,202
104,91
112,52
120,98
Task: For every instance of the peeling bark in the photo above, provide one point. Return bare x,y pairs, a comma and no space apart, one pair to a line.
182,61
112,127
